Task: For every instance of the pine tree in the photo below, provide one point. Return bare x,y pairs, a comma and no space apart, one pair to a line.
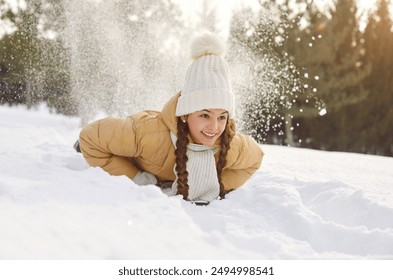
33,59
20,57
328,51
363,126
317,63
376,112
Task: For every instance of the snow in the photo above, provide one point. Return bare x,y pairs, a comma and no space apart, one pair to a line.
301,204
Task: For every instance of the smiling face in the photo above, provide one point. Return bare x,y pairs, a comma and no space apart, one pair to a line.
206,126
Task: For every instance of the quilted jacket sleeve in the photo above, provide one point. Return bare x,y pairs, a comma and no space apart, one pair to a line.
111,144
244,159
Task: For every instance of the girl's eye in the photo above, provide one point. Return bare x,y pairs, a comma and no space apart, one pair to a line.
205,116
222,118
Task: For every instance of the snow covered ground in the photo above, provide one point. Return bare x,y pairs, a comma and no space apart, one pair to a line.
302,204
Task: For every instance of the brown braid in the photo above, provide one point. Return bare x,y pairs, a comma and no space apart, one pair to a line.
225,145
181,158
181,155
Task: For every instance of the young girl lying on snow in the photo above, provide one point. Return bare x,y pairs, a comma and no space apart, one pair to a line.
191,147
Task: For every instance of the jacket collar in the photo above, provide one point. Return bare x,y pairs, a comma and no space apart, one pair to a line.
168,115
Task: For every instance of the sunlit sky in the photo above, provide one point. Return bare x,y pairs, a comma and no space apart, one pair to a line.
225,8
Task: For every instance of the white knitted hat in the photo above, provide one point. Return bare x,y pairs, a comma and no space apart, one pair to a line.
207,84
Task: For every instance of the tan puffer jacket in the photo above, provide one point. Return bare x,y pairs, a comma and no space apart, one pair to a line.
142,142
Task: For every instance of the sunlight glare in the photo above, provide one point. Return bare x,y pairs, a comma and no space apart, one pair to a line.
366,5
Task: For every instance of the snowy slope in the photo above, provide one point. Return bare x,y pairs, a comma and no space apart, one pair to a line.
302,204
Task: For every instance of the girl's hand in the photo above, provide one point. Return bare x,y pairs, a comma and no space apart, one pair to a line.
144,178
164,184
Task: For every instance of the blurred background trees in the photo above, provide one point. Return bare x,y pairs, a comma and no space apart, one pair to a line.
34,66
304,76
338,96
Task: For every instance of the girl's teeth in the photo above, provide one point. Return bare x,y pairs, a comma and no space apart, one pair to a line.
210,135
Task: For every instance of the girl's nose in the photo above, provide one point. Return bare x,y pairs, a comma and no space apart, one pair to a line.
213,124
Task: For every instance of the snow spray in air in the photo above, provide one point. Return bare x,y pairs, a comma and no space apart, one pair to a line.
121,58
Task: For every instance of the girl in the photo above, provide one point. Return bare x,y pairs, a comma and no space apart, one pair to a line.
191,147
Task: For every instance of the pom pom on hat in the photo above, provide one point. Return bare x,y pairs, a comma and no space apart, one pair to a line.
207,84
206,44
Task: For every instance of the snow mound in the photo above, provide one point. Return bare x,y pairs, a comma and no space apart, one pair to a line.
301,204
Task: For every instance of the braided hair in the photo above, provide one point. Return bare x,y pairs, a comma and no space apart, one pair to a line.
181,155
